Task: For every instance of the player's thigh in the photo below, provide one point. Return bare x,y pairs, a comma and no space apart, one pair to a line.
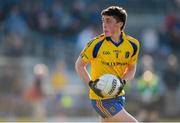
122,116
108,107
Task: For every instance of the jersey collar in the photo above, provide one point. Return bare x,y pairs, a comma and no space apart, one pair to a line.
116,44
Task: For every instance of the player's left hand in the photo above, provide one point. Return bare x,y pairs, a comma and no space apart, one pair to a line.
123,83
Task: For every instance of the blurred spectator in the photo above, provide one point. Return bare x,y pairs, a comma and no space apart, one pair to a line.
43,22
146,63
177,2
78,8
16,30
150,41
94,13
171,75
9,80
171,78
15,23
84,37
57,14
164,40
36,94
59,77
149,90
148,87
173,28
13,45
176,35
170,21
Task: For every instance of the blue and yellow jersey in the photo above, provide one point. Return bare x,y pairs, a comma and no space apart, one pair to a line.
107,56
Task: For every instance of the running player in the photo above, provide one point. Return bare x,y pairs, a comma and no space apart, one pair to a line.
112,52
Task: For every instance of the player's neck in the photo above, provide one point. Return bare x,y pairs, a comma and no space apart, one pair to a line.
116,37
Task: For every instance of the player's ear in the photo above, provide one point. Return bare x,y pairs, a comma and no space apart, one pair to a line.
120,24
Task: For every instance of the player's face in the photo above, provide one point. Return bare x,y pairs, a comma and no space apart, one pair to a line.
110,25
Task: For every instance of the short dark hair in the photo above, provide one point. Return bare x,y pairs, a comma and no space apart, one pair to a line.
117,12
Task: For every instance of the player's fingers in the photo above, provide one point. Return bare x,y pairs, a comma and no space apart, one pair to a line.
124,81
96,81
98,92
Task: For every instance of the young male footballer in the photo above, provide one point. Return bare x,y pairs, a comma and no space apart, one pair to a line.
115,53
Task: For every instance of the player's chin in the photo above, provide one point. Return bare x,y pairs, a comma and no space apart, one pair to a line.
107,34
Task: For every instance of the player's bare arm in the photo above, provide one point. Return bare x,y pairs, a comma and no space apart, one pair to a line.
129,73
80,67
83,73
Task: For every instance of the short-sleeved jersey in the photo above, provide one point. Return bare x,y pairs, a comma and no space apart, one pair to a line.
107,56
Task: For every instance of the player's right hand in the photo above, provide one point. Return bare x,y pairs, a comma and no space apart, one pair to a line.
93,86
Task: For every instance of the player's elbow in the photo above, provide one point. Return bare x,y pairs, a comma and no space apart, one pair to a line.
131,77
132,72
79,64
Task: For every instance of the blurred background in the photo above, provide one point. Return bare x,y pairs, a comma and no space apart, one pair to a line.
41,39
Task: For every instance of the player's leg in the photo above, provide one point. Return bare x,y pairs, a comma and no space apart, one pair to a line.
122,116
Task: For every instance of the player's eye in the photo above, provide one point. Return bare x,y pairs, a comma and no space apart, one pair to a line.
108,21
